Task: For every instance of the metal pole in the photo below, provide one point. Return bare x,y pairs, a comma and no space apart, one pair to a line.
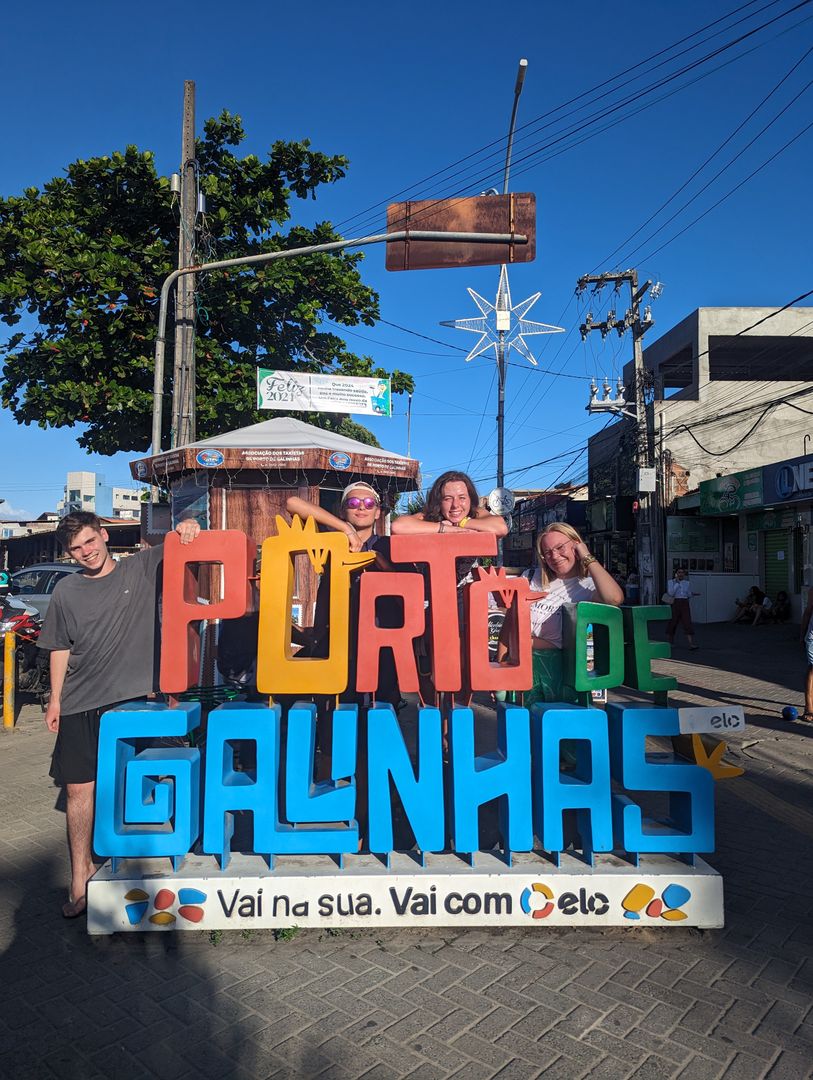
643,457
500,408
9,679
409,423
183,383
290,253
523,67
501,369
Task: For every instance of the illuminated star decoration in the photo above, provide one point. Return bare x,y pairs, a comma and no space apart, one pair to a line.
501,318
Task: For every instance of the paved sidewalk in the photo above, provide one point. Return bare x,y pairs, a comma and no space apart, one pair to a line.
510,1003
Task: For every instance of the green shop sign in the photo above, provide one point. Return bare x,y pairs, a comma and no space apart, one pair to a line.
733,493
784,518
692,534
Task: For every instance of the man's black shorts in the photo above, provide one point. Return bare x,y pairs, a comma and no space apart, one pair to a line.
77,746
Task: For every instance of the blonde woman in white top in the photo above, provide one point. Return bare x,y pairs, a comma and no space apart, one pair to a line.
566,573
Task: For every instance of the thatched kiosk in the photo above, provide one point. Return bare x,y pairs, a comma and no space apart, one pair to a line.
241,479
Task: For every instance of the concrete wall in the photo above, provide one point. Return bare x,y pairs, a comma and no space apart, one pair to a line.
779,435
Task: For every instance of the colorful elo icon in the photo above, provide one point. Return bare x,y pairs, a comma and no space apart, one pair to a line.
537,901
669,905
136,908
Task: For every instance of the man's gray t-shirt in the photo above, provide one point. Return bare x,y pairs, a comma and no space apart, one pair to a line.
109,624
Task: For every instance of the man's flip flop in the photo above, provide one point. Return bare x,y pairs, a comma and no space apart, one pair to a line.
807,717
74,908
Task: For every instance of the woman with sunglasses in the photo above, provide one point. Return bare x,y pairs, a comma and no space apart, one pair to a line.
360,510
566,573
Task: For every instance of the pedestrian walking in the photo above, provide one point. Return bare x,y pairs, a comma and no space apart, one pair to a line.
806,640
681,594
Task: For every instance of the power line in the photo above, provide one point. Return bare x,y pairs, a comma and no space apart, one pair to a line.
728,194
707,161
714,419
528,403
482,418
584,124
763,352
498,144
385,344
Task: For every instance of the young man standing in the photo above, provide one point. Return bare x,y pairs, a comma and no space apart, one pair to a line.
101,632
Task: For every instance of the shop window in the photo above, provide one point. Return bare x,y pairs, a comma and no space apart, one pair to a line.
731,545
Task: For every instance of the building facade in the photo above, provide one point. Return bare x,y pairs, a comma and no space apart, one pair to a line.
728,391
531,515
88,491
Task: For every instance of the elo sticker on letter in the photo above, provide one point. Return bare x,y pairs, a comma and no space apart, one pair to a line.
717,719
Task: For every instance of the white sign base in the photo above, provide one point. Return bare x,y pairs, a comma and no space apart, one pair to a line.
716,720
311,891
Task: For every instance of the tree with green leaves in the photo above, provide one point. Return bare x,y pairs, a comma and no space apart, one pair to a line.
82,262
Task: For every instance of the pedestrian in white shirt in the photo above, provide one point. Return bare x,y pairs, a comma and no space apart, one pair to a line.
681,592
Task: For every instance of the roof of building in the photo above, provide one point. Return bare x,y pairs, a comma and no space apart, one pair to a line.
285,432
285,444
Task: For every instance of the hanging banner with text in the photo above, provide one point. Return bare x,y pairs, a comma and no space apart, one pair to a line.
288,390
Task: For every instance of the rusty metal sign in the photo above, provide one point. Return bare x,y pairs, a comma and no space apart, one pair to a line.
498,214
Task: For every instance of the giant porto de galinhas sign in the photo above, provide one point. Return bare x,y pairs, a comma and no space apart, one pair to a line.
575,845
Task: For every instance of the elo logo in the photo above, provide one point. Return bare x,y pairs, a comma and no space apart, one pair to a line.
724,720
711,718
586,903
537,901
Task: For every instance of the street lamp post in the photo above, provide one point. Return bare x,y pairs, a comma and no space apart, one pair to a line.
290,253
503,316
502,325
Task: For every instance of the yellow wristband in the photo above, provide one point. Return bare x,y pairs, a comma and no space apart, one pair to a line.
463,522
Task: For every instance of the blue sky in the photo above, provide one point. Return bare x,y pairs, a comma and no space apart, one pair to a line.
406,92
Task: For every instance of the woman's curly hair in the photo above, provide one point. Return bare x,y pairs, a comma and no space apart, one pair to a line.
433,509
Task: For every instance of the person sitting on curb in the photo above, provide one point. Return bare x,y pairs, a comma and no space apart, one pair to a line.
775,611
749,607
101,632
780,612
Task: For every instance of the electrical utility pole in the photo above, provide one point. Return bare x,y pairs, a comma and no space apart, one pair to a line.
183,382
647,531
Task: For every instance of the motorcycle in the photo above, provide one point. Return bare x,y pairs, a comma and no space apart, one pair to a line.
32,664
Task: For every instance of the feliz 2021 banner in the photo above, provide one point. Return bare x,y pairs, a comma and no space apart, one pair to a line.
288,390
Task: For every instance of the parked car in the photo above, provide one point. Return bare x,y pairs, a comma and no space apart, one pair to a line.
36,583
